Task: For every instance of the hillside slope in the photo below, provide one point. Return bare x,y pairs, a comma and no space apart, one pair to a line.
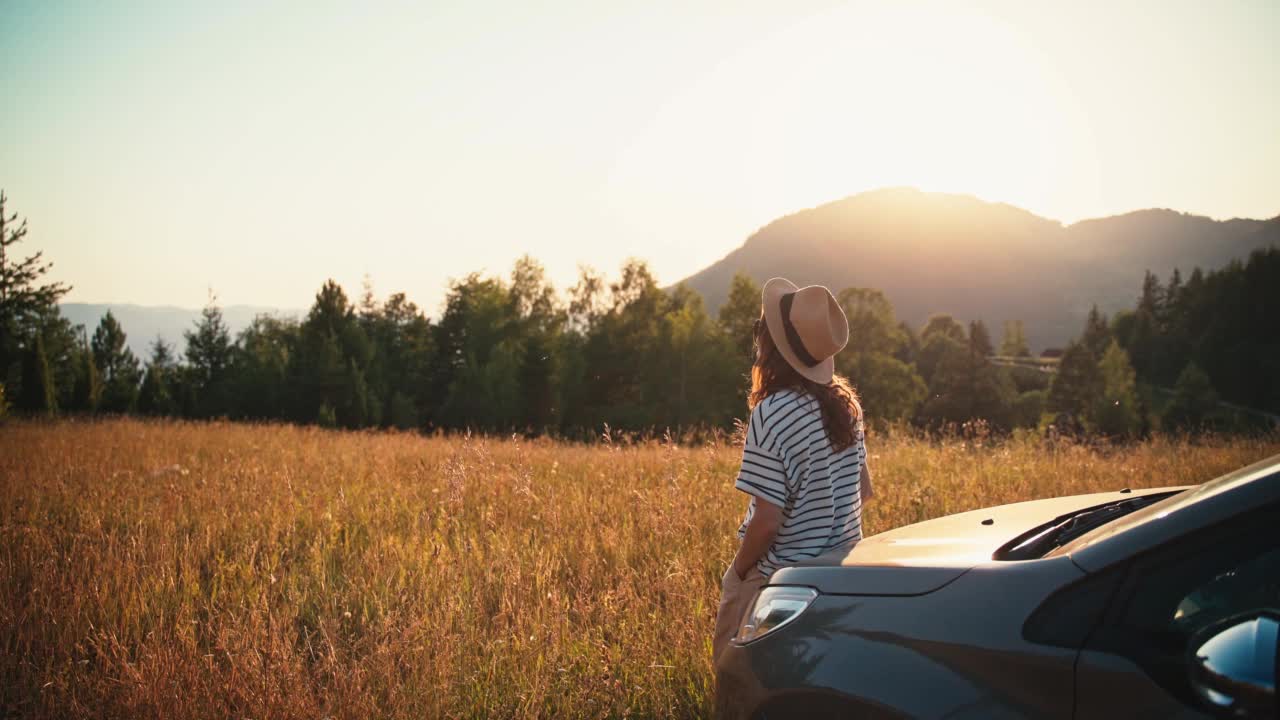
936,252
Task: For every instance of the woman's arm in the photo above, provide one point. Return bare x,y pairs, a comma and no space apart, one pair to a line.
864,483
761,531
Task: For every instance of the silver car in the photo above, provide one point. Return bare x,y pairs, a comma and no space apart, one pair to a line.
1132,604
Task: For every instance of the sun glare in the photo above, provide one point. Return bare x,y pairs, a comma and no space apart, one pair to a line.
869,96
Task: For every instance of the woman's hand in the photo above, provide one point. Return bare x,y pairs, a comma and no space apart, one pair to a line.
761,531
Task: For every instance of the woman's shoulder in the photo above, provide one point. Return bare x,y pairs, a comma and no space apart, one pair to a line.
780,401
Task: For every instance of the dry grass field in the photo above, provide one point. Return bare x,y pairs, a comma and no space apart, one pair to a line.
164,569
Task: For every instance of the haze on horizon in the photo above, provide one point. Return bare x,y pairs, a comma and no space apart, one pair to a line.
160,149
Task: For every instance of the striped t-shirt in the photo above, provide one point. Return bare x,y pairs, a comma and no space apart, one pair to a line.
787,460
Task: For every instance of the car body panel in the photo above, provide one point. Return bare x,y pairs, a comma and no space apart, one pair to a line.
1108,685
872,650
920,558
868,580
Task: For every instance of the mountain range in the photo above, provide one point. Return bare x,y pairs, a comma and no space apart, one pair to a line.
945,253
142,324
929,253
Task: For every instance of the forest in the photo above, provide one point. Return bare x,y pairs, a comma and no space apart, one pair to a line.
624,355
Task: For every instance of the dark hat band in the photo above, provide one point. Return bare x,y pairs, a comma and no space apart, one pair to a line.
793,337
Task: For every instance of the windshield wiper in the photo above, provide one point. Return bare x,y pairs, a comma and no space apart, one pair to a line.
1066,528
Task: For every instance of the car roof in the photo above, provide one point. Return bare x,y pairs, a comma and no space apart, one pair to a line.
1211,503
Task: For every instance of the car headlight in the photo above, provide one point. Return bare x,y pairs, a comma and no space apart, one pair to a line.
774,607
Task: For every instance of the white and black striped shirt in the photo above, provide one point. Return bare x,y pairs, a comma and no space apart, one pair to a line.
787,460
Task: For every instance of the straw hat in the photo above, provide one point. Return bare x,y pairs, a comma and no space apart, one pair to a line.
806,325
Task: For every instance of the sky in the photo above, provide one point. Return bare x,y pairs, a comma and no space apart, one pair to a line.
160,150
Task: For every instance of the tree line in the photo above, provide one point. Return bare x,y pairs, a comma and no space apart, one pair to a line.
512,354
1186,353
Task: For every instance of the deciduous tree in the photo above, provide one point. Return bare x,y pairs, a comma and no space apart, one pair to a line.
1116,412
980,340
1194,400
872,326
739,313
1014,342
1077,384
944,325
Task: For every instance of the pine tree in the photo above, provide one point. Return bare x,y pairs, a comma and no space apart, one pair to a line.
61,348
157,394
1195,284
88,391
1173,296
330,341
23,300
38,394
355,412
1097,333
117,365
1143,343
259,374
209,354
1152,299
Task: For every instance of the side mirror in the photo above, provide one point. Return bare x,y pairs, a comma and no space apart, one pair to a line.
1233,666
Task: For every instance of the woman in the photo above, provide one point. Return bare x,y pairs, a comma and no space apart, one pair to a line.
804,463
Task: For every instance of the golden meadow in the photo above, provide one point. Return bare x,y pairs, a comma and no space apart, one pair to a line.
175,569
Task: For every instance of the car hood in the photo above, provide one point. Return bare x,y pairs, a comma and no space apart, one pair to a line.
917,559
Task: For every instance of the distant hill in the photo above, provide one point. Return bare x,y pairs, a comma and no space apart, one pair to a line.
936,252
143,324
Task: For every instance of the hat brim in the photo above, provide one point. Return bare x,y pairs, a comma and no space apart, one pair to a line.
771,302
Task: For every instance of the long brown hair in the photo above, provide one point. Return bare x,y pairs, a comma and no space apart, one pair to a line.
841,411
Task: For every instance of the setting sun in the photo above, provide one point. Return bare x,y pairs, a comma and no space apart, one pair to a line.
867,96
